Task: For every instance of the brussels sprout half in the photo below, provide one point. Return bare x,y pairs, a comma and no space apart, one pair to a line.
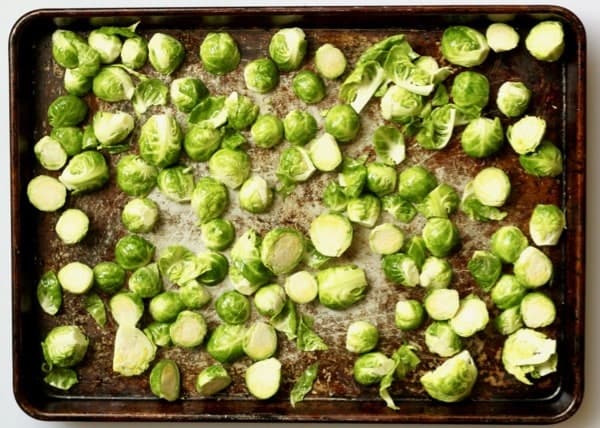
464,46
453,380
546,224
287,48
546,41
282,249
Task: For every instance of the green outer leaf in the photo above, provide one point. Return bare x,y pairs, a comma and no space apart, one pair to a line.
151,92
307,339
95,307
126,32
304,384
49,293
61,378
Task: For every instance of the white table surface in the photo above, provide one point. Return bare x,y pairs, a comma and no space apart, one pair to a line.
588,416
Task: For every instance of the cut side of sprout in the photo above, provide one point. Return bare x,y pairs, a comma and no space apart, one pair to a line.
501,37
282,249
188,330
386,239
325,153
212,380
50,153
76,277
72,226
263,378
442,304
126,308
537,310
133,351
301,287
165,381
472,316
331,234
46,193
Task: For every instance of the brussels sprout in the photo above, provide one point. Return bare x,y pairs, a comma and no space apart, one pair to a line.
304,384
194,295
245,256
176,183
309,86
108,46
165,53
545,161
148,93
113,84
330,61
109,277
398,207
65,346
61,378
341,286
295,165
282,249
342,122
501,37
158,333
230,167
381,178
442,340
263,378
415,182
165,380
111,128
201,141
334,197
213,267
482,137
353,176
233,307
386,239
72,226
69,137
241,284
472,316
470,89
400,105
49,293
50,153
331,234
361,337
219,53
401,269
526,134
76,83
370,368
453,380
533,268
145,281
537,310
65,48
509,320
440,202
135,176
46,193
165,307
76,277
187,92
241,111
546,224
188,330
67,110
133,251
88,139
529,354
212,379
210,111
507,292
179,264
301,287
441,236
260,341
362,83
485,268
255,195
389,145
209,199
225,342
513,98
508,242
441,304
217,234
491,186
160,140
134,52
261,75
546,41
408,314
133,351
299,127
325,153
267,131
464,46
287,48
364,210
436,130
270,300
435,273
126,308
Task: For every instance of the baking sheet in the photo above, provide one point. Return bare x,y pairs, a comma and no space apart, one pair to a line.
558,96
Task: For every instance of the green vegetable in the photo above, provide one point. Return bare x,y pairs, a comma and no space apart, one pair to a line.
507,292
287,48
475,209
491,186
133,351
61,378
307,339
472,316
546,41
442,201
486,268
408,314
282,250
501,37
212,379
508,242
453,380
441,304
160,140
330,61
470,90
165,307
158,333
201,141
72,226
334,197
165,381
134,52
361,337
255,195
325,153
435,273
304,384
415,182
441,236
209,199
107,45
213,267
165,53
546,224
111,129
76,83
50,153
526,134
263,378
95,307
261,75
145,281
270,300
76,277
65,48
353,176
225,342
381,178
537,310
233,307
464,46
301,287
217,234
513,98
187,92
401,269
389,145
331,234
400,105
364,210
85,172
65,346
210,111
49,293
67,110
398,207
194,295
219,53
287,320
267,131
299,127
341,286
148,93
113,84
109,277
370,368
69,137
135,176
509,321
482,137
385,239
309,86
441,339
437,128
133,251
140,215
46,193
245,257
260,341
230,167
127,308
528,354
176,183
188,330
545,161
342,122
241,111
533,268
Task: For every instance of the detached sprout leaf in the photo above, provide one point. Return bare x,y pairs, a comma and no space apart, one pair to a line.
151,92
61,378
95,307
304,384
389,145
307,339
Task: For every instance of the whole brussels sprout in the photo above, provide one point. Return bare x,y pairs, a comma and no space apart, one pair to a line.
309,87
209,199
65,346
299,127
507,292
342,122
219,53
381,178
133,251
176,183
486,268
188,330
194,295
408,314
453,380
546,41
441,236
111,128
139,215
179,264
76,83
546,224
225,342
255,195
415,182
545,161
470,89
400,105
145,281
233,307
201,141
135,176
267,131
107,45
217,234
113,84
361,336
67,110
230,167
341,286
165,307
69,137
187,92
160,140
85,172
364,210
508,242
513,98
109,277
261,75
330,61
464,46
287,48
370,368
482,137
134,52
241,111
398,207
65,50
509,320
165,53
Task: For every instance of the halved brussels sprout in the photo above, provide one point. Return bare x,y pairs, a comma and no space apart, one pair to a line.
160,140
482,137
133,351
442,340
188,330
491,186
309,86
546,41
179,264
212,379
330,61
201,141
230,167
401,269
529,354
415,182
537,310
165,53
546,224
260,341
233,307
109,277
287,48
472,316
270,300
225,342
282,249
501,37
217,234
67,110
526,134
331,234
353,176
69,137
361,336
440,202
509,321
545,161
209,199
370,368
299,127
442,304
364,210
295,165
165,380
85,172
267,131
135,176
435,273
176,183
76,277
533,268
127,308
255,195
76,83
261,75
301,287
263,378
50,153
65,346
148,93
219,53
72,226
453,380
464,46
112,128
486,268
342,122
245,256
513,98
113,84
341,286
408,314
46,193
133,251
210,111
386,238
325,153
61,378
389,145
49,293
441,236
400,105
187,92
508,242
134,52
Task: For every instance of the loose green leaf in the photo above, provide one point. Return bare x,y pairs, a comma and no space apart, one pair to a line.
49,293
61,378
304,384
151,92
307,339
95,307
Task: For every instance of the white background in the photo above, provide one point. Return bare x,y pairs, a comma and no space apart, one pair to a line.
588,415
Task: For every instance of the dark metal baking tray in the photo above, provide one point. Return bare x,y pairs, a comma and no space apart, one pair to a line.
559,95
